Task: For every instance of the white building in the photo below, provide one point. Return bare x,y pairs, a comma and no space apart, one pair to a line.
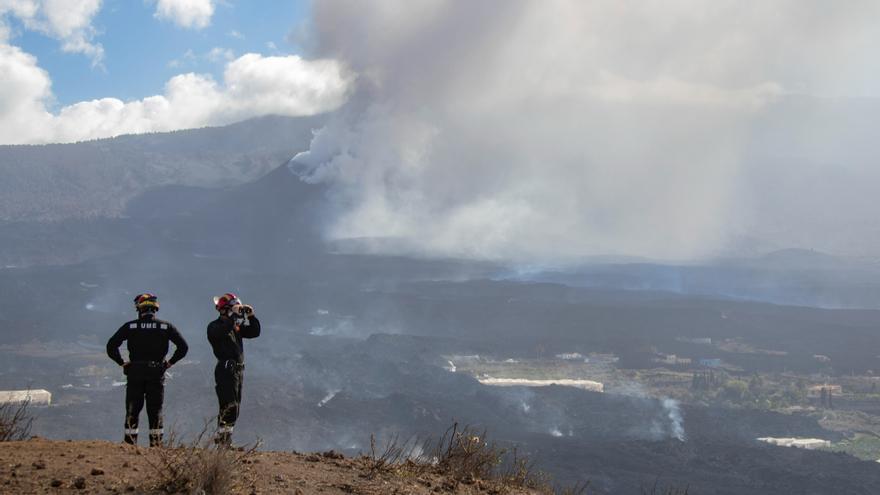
523,382
801,443
570,356
37,397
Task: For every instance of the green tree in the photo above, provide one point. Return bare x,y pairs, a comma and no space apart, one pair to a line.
735,390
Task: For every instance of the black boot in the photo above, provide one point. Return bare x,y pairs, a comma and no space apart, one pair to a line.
130,438
155,439
224,436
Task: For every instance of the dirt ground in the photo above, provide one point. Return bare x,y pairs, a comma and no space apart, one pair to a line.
49,466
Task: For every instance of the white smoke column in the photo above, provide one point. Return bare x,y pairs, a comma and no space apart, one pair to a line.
669,421
675,418
327,398
556,129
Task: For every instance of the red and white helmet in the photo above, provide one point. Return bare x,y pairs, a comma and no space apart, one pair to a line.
226,301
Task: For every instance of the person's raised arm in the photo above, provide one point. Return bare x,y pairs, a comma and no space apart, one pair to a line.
252,329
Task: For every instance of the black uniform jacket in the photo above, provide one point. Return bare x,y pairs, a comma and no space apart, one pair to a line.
148,339
226,337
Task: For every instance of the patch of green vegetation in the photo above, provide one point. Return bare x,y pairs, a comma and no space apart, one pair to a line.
863,446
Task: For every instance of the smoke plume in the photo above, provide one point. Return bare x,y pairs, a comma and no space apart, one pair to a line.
554,130
667,422
676,421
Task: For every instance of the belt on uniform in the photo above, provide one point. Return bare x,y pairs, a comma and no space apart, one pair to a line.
150,364
232,364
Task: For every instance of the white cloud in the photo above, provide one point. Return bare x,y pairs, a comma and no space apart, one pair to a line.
195,14
23,9
218,54
69,21
188,57
235,34
24,88
287,85
252,85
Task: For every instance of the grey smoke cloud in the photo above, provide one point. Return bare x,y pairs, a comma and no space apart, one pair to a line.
559,129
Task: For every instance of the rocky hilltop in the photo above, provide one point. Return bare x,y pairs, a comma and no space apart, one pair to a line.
51,466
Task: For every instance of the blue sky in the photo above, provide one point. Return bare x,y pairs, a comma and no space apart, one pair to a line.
87,69
139,48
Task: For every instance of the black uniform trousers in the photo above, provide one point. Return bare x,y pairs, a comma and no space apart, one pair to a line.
146,382
228,377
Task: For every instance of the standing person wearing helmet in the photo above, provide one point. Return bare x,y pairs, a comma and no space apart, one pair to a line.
236,322
148,339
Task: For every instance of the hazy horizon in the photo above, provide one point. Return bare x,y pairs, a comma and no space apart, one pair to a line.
546,133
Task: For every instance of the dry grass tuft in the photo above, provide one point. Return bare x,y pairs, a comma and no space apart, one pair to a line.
463,456
198,465
15,421
656,489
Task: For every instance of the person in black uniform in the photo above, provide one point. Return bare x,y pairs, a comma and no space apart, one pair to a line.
236,322
148,339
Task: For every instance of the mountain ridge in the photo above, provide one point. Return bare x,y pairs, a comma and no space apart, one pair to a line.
94,179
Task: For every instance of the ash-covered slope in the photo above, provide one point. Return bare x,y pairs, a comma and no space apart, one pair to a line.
97,178
276,212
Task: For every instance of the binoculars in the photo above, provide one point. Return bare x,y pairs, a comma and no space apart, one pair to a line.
244,310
